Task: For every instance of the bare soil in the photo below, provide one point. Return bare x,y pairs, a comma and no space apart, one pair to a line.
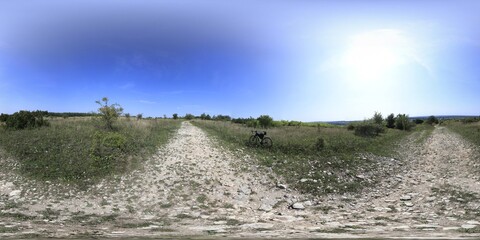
194,187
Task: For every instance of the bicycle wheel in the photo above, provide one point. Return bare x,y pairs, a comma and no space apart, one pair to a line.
254,140
267,142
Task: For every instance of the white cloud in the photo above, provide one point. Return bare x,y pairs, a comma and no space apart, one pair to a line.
147,102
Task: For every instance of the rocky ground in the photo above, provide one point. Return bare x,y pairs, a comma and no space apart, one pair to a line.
194,187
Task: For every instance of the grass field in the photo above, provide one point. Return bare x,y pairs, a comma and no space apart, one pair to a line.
79,150
297,153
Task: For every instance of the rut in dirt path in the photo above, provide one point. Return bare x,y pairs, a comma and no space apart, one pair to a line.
437,187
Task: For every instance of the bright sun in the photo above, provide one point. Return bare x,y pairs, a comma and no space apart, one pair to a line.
372,55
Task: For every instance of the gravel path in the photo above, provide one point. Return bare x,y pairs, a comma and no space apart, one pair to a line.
193,186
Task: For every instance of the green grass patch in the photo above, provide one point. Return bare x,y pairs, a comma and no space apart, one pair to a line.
470,230
202,198
327,156
4,229
77,149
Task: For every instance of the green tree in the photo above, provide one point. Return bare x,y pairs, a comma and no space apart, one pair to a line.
252,123
402,122
265,121
139,116
127,115
175,116
391,121
432,120
189,116
3,117
108,113
377,118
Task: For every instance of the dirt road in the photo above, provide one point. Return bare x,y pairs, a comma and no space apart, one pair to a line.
193,186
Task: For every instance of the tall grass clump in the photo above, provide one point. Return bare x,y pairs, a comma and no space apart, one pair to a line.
312,159
78,150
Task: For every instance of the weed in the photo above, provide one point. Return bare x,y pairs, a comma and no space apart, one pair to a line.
104,202
228,205
4,229
324,209
162,230
202,198
50,214
134,225
18,216
184,216
470,230
382,218
332,230
130,209
166,205
233,222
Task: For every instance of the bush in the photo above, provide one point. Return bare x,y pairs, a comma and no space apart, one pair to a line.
222,118
431,120
205,116
26,119
265,121
391,121
418,121
320,144
175,116
109,113
350,127
139,116
106,147
402,122
465,120
368,129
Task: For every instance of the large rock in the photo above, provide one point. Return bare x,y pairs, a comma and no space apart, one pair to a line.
298,206
406,198
245,189
469,226
258,226
14,194
265,207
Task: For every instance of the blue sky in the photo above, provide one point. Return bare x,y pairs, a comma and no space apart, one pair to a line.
294,60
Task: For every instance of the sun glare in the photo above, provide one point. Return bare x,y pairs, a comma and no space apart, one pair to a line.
372,55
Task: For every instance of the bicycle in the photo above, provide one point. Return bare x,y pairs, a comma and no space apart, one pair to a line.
259,139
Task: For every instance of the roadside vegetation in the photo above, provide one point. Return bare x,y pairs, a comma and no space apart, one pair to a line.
319,159
469,128
83,149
